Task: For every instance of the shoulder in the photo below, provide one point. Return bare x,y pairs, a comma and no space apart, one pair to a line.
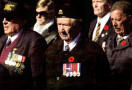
130,38
30,36
90,46
94,47
55,47
94,21
3,38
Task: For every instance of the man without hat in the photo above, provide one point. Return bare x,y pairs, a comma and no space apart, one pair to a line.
119,46
101,27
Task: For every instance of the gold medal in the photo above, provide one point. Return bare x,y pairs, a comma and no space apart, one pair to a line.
102,35
106,33
78,74
17,64
74,74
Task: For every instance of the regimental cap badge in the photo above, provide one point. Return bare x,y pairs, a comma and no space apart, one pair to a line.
60,12
10,6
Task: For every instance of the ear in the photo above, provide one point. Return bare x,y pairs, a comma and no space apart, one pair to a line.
130,18
109,5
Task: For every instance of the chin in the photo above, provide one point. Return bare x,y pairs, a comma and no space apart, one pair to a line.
64,38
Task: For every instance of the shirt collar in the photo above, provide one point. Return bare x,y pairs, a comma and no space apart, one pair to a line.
12,38
73,43
124,37
104,19
41,29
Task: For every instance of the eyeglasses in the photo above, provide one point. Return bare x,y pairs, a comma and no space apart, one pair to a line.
43,13
10,17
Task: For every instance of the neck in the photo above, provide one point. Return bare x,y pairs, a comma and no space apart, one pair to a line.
68,41
101,16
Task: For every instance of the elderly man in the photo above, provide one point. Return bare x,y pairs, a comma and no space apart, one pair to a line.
101,28
120,46
21,52
74,62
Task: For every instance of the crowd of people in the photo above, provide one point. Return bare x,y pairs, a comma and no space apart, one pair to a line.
54,52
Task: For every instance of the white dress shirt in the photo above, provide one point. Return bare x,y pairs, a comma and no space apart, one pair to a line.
12,38
72,44
103,21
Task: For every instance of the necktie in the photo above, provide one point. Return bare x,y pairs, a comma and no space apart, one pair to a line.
97,32
67,48
8,43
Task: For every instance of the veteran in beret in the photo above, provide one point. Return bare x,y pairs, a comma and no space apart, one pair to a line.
21,51
74,62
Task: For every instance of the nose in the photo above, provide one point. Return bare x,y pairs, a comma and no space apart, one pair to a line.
115,25
38,15
5,21
95,4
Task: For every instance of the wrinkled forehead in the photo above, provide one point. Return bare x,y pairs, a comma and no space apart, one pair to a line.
64,20
42,9
99,0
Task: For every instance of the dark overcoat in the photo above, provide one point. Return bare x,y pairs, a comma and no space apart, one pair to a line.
32,46
120,59
93,66
107,31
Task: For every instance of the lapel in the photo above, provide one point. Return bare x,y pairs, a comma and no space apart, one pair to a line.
78,46
123,44
59,47
2,42
92,26
19,43
106,30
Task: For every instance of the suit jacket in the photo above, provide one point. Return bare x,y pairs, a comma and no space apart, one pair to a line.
32,46
107,31
93,66
120,59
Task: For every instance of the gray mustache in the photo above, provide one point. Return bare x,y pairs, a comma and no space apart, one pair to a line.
116,27
64,33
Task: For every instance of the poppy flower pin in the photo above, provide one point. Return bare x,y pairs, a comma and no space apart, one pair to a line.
71,59
106,27
123,43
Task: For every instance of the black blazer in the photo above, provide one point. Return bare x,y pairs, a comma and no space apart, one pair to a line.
32,46
107,32
94,66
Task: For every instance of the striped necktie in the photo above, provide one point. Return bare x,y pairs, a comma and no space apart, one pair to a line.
67,48
8,43
97,32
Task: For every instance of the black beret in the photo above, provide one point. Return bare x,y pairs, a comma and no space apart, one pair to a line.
69,10
14,8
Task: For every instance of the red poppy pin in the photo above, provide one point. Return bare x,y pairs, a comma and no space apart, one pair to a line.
123,43
71,59
106,27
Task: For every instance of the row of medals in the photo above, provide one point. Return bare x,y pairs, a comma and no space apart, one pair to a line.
15,60
71,74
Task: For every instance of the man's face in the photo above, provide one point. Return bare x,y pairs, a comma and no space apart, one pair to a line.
10,27
41,15
100,7
118,21
64,28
